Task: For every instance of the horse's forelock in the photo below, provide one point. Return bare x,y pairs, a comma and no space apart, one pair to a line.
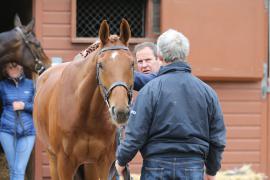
114,38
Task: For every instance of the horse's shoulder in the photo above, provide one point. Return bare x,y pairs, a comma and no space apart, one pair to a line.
50,75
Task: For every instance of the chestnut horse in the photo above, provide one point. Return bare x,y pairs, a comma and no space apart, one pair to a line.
20,45
78,105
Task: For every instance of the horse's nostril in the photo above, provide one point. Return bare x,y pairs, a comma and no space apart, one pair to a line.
120,115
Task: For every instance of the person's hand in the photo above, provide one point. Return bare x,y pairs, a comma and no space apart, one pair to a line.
208,177
18,105
120,169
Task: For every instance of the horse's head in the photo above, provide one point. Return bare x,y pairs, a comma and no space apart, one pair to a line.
20,45
115,67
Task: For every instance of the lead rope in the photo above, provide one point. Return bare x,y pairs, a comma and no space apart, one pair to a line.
18,119
15,129
126,171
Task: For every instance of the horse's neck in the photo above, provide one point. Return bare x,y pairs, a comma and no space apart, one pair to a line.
90,98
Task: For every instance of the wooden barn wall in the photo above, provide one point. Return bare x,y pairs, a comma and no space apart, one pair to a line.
244,110
55,31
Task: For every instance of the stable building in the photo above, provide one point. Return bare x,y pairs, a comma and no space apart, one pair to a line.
229,51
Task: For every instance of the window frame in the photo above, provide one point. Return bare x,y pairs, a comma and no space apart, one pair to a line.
150,35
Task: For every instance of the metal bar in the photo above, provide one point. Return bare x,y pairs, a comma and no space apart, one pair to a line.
156,16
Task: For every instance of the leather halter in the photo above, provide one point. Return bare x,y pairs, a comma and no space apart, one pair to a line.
113,48
107,92
39,66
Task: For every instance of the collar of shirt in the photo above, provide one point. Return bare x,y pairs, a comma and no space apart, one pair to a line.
175,66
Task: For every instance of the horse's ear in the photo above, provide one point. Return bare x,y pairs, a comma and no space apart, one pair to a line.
104,32
17,21
30,25
124,31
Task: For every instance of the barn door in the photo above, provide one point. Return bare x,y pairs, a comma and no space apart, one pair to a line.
226,36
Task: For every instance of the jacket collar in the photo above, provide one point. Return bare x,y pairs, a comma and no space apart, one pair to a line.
19,79
175,66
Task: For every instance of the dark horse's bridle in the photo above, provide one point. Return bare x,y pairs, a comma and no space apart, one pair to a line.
39,66
107,92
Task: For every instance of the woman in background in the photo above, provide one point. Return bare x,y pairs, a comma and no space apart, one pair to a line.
17,132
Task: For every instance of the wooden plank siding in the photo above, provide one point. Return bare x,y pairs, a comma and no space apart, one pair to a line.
245,112
249,105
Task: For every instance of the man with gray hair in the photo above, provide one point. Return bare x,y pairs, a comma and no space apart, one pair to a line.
176,122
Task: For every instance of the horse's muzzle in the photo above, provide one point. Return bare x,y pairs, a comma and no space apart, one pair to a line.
120,115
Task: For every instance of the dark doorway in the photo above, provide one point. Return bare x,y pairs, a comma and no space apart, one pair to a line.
8,9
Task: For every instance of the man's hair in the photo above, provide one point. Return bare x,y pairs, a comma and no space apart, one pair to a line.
173,45
143,45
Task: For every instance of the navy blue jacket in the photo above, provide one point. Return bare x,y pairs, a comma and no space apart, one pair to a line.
9,93
140,79
175,115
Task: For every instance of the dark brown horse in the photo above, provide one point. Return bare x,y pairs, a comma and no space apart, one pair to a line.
78,105
20,45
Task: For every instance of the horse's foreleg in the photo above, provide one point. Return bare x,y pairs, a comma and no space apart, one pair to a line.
53,166
66,168
104,167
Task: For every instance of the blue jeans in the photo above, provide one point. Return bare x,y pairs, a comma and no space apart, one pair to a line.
173,169
17,152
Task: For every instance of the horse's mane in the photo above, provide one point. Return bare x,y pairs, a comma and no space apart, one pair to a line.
84,53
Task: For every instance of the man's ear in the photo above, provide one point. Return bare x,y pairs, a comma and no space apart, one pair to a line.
160,61
160,58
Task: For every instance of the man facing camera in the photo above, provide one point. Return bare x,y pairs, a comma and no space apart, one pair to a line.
146,57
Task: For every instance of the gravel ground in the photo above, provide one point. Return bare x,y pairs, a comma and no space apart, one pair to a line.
3,167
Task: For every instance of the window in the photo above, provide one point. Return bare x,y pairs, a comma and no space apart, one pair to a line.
87,16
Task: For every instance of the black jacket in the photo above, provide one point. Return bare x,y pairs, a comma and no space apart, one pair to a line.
175,115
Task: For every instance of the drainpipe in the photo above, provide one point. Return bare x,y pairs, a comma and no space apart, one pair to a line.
266,70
